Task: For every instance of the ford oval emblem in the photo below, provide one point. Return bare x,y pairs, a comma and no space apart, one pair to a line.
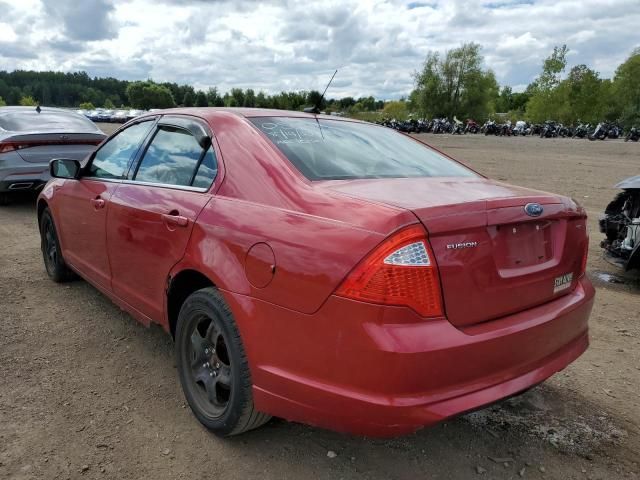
533,209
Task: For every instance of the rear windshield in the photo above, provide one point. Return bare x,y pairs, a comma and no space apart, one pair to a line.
45,121
334,150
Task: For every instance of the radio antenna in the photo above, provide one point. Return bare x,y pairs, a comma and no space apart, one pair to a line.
316,108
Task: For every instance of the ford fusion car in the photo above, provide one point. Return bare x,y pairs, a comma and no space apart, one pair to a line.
320,269
30,138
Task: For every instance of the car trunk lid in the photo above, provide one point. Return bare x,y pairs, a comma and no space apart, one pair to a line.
40,148
494,259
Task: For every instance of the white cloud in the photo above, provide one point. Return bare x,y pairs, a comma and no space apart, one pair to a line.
290,44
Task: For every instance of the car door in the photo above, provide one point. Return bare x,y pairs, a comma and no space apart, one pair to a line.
152,215
82,205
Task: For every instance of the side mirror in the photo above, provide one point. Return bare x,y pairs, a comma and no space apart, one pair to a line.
64,168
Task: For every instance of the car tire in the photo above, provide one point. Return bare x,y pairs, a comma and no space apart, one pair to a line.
57,268
5,199
212,365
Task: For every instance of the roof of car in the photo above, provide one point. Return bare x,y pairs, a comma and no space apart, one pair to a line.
206,112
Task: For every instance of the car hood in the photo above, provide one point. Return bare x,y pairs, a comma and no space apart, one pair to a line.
631,182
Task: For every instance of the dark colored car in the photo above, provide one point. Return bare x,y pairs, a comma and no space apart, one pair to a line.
29,139
322,270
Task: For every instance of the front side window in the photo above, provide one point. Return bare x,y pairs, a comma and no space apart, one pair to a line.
112,160
334,150
175,157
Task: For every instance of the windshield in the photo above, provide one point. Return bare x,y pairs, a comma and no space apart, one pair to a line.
46,121
335,150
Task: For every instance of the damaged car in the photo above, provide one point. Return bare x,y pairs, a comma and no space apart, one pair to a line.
621,225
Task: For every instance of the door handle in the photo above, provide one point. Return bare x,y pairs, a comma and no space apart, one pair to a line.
175,220
98,203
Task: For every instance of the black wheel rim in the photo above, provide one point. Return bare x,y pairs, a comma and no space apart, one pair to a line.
49,244
208,367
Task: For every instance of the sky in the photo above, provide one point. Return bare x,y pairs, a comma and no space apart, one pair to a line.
376,45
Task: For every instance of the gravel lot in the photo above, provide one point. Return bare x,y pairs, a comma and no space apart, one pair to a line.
86,392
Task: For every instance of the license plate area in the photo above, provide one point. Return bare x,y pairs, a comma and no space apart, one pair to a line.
562,282
521,245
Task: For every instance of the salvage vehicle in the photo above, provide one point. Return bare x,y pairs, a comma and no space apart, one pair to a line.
321,269
30,137
621,225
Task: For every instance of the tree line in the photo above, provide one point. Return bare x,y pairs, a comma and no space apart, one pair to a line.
455,83
78,89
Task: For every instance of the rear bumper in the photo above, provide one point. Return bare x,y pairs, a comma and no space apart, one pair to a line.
29,177
382,371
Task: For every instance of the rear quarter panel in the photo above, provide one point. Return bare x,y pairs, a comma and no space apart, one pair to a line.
311,254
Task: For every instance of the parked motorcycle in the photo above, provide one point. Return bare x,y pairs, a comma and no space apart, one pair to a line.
472,126
490,128
549,129
583,130
601,132
521,128
633,134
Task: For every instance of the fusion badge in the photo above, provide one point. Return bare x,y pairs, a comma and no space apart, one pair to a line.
458,246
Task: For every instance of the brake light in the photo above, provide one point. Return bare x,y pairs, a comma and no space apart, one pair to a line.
400,271
12,146
7,147
585,257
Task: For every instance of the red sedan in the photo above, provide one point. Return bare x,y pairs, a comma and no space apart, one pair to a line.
322,270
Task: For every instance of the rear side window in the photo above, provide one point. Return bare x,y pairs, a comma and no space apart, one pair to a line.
175,157
333,150
112,160
46,121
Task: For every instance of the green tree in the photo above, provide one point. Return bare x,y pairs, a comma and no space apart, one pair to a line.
249,98
146,95
28,101
397,110
214,98
626,90
201,99
187,100
547,99
2,102
455,84
584,96
87,106
238,98
262,101
109,104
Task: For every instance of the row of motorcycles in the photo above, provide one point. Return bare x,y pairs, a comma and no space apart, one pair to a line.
437,125
548,129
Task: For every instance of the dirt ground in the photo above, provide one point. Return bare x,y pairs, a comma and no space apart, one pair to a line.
86,392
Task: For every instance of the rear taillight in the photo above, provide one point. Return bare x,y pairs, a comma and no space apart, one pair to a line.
400,271
7,147
585,257
12,146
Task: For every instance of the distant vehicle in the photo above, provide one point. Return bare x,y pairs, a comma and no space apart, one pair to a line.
133,113
583,130
550,129
29,140
621,225
521,128
105,116
633,134
323,270
606,130
119,116
93,115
